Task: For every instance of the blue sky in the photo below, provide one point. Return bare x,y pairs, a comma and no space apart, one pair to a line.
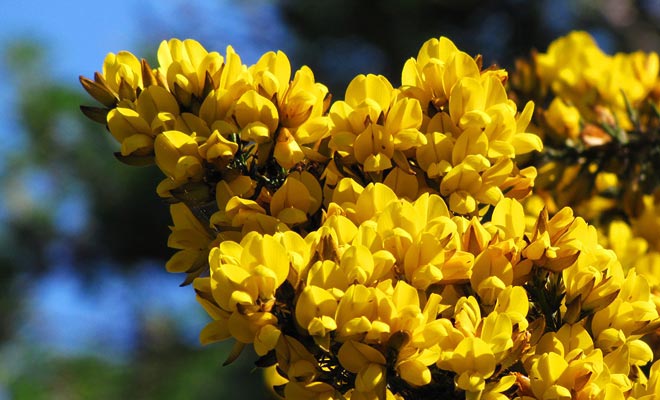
80,32
62,314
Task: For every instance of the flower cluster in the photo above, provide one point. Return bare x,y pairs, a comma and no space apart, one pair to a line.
601,142
584,79
225,136
385,246
450,129
599,118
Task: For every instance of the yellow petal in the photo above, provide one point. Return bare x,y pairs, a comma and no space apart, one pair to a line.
137,145
214,331
509,216
526,142
354,356
414,372
252,107
402,183
292,194
287,151
370,377
374,87
154,100
124,122
461,65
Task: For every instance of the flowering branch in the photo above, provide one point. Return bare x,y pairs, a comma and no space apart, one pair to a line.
391,244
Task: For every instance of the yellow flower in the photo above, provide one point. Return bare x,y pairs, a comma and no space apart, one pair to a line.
304,100
435,254
633,311
131,130
572,63
479,347
493,390
648,266
315,311
648,223
513,302
266,337
287,150
556,242
406,300
395,276
372,201
218,150
491,274
191,238
328,275
564,119
496,330
439,64
243,281
217,106
397,226
177,155
483,104
372,124
357,315
651,388
345,194
136,125
509,218
292,355
225,190
519,185
299,253
580,73
544,373
373,148
368,364
475,237
185,66
628,248
474,362
122,74
412,365
402,122
263,259
300,106
250,217
467,316
192,125
309,391
594,281
216,330
357,263
570,361
299,197
272,379
434,157
256,116
462,182
472,129
570,341
302,370
424,262
271,74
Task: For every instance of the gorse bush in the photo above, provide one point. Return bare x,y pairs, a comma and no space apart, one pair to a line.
442,239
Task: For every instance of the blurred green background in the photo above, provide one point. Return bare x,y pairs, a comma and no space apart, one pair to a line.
86,309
